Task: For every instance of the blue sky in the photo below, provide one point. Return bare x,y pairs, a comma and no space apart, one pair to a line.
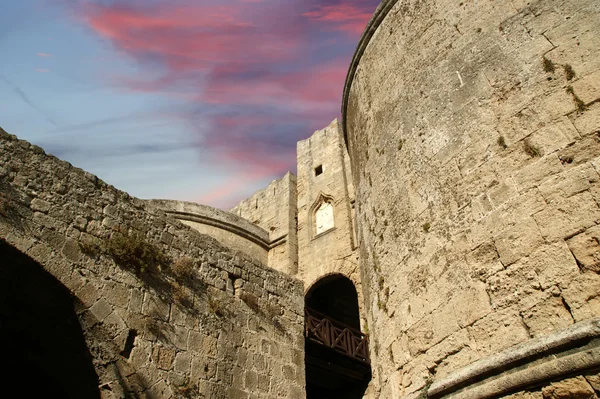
196,100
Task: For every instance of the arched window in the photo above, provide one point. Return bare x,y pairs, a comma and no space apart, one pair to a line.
324,218
322,215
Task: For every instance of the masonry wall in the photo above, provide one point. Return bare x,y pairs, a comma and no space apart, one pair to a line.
204,322
274,210
474,135
333,251
234,232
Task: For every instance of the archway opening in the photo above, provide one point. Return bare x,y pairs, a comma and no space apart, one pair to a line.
337,354
43,343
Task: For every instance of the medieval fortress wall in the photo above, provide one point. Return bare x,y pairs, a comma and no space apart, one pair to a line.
460,194
326,241
474,133
171,314
274,210
303,243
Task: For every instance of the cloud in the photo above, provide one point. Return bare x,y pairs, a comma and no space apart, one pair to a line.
262,74
44,55
25,98
42,70
346,17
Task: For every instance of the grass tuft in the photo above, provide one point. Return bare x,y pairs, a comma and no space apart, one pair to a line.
530,149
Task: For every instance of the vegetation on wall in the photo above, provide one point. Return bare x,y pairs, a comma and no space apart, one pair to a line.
530,149
131,250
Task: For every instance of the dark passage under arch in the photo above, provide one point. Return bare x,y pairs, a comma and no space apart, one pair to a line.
44,353
337,362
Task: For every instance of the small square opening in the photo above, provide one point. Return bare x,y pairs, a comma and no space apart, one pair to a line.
318,170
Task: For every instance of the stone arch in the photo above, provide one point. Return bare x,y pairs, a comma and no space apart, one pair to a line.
41,333
334,368
322,215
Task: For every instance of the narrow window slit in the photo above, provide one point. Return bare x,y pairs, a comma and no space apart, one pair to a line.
129,344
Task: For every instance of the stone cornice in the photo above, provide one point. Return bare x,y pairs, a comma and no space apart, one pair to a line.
564,352
214,217
380,13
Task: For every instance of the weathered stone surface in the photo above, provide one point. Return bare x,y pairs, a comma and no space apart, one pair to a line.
572,388
547,316
139,316
582,296
586,248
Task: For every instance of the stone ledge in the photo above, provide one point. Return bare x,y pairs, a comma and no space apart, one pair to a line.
504,372
210,216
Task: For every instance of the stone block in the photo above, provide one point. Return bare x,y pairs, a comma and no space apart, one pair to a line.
484,261
234,393
101,309
183,362
498,331
540,169
588,87
547,316
568,183
518,241
117,294
553,264
432,329
584,150
204,345
586,248
582,296
400,351
555,136
563,218
39,205
572,388
71,250
155,307
115,322
472,304
518,284
502,192
202,368
251,380
587,122
136,300
160,390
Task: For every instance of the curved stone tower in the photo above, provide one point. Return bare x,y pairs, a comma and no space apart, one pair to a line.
473,130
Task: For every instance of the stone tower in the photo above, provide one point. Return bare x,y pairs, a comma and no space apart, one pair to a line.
473,131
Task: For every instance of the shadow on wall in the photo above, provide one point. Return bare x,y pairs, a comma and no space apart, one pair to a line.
43,346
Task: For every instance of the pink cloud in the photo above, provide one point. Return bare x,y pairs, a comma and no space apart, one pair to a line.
42,70
44,55
263,75
193,37
345,17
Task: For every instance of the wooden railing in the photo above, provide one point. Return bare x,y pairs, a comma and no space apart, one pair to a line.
336,335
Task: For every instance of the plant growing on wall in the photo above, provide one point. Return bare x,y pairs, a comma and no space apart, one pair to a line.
132,251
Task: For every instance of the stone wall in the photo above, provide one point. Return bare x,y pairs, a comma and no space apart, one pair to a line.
229,229
474,134
194,319
274,210
332,251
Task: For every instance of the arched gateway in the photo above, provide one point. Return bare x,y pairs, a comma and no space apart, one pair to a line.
337,353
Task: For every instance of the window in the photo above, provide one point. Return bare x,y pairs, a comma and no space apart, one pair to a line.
318,170
324,218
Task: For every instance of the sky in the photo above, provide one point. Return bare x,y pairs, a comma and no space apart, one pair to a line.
193,100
